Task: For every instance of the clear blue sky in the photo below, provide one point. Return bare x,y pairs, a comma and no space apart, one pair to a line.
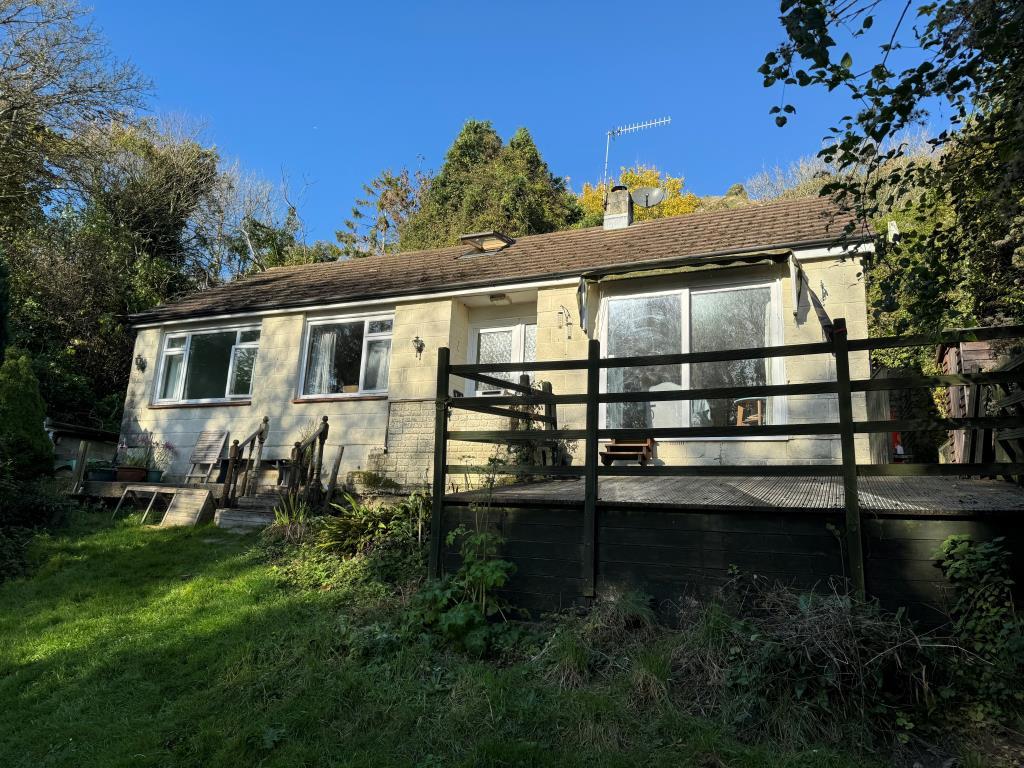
331,93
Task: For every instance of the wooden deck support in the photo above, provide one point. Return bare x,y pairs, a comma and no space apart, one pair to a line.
440,459
589,550
854,537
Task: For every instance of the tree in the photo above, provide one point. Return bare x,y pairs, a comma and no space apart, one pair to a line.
55,76
388,202
24,446
677,202
485,184
131,242
961,259
5,307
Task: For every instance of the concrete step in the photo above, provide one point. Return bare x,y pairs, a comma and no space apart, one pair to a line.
242,520
257,502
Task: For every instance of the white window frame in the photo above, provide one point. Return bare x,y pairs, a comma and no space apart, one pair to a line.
185,351
778,408
518,330
367,337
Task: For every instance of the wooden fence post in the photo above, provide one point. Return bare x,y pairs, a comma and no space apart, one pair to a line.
440,461
854,537
550,410
295,475
589,550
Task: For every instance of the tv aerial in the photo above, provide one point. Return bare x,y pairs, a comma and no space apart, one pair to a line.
623,129
647,197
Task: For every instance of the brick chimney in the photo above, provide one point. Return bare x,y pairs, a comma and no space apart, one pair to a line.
618,208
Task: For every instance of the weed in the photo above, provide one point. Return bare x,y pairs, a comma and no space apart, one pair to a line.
292,520
463,608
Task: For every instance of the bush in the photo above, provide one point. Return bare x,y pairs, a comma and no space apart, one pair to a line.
990,670
30,503
14,543
389,536
24,445
25,507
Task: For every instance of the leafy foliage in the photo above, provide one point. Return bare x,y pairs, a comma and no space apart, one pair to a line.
991,672
463,608
961,259
24,445
390,536
677,201
485,184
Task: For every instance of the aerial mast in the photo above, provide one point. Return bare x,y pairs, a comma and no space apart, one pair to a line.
622,129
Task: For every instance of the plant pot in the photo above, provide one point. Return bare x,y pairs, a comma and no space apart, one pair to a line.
102,474
154,475
131,474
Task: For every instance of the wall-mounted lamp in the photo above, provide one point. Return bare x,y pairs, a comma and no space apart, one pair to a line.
140,362
419,345
565,320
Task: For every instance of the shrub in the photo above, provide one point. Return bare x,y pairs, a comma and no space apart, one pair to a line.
30,503
14,543
990,672
24,445
390,536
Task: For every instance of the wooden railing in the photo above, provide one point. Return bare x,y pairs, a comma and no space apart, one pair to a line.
843,387
307,465
248,466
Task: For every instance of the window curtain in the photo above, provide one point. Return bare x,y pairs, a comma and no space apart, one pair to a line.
320,378
377,362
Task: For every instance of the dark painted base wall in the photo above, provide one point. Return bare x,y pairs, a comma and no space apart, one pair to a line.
669,553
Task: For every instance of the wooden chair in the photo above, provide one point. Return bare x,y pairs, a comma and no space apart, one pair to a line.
207,452
750,411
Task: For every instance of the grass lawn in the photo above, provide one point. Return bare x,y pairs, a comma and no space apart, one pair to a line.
139,646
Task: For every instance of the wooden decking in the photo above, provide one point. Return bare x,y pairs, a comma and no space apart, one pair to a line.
878,495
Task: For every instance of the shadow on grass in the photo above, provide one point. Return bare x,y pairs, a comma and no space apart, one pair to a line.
180,648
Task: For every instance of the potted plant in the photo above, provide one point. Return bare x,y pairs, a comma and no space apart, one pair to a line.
161,454
133,465
102,471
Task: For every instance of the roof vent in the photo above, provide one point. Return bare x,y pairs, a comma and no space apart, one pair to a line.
485,242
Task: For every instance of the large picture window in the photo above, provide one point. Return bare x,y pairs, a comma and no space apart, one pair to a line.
506,344
347,357
692,320
205,366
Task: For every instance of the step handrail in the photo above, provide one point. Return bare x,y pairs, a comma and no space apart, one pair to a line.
308,477
254,444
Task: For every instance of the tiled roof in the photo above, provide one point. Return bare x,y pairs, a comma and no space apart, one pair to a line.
534,257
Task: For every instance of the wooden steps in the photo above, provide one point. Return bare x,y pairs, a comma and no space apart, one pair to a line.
253,513
628,450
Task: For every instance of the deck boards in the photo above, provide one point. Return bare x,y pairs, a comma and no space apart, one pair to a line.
936,495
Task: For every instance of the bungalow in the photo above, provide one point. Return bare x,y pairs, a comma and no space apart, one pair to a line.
357,341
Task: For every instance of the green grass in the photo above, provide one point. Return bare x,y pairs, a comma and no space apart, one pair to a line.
138,646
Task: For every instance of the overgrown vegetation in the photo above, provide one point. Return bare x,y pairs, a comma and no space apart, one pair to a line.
305,651
989,675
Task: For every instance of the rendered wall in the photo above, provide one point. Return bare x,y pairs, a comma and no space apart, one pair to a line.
394,433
